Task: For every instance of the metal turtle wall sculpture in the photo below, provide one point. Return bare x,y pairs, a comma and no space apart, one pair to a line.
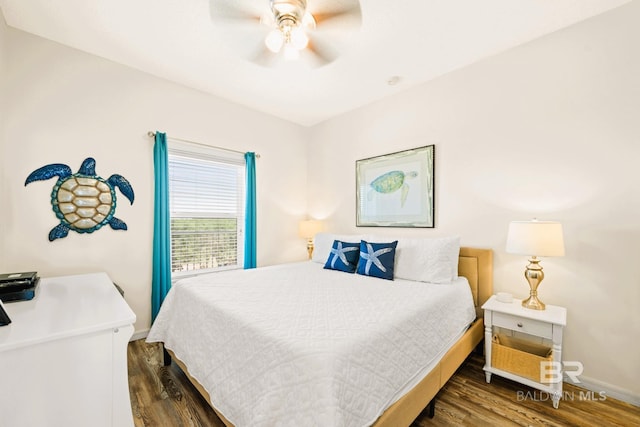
82,201
391,182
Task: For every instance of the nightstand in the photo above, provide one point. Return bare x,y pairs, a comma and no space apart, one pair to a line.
525,345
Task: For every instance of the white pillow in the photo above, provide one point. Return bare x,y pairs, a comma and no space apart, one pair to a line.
323,242
433,260
428,260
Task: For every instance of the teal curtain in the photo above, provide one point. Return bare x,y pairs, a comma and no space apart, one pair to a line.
161,278
250,246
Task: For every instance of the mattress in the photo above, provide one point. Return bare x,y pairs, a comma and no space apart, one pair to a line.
296,344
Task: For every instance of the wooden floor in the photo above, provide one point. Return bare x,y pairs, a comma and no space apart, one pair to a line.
163,396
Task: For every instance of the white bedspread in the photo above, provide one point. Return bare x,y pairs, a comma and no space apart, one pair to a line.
297,345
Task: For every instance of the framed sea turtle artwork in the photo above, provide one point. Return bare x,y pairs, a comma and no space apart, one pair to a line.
397,189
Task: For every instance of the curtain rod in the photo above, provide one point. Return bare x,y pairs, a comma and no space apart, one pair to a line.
152,134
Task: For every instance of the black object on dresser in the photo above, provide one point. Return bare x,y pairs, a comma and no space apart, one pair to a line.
18,286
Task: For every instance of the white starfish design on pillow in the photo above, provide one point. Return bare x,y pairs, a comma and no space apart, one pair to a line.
339,252
372,258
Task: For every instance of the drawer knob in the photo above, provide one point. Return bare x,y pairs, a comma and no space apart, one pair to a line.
519,324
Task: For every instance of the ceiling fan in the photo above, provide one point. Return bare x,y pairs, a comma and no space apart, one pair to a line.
291,29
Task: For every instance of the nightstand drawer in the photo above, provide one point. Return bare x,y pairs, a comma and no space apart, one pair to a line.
527,326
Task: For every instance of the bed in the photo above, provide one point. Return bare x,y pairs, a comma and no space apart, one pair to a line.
322,363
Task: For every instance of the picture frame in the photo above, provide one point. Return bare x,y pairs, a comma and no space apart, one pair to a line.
396,189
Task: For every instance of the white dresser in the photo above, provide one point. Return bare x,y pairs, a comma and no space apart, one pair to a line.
63,359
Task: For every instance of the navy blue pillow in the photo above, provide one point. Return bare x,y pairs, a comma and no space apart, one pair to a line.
377,259
343,256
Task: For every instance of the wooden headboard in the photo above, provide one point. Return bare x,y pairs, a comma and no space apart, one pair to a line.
477,266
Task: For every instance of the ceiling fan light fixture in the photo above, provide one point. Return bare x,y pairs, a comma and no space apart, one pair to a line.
293,8
298,39
274,40
290,19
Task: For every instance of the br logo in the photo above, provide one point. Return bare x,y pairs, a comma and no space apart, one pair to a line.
551,372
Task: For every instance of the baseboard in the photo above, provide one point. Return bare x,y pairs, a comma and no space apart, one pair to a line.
139,335
601,388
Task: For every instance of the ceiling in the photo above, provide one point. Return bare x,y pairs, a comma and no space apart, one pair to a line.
187,42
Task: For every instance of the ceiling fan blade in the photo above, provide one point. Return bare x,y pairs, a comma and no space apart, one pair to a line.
346,16
225,10
321,53
264,57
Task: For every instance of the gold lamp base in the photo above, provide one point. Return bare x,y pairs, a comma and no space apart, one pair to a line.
310,247
534,276
533,303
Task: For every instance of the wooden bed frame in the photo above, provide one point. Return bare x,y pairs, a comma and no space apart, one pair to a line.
477,266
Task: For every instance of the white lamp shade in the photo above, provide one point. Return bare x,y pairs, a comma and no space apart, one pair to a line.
535,238
309,228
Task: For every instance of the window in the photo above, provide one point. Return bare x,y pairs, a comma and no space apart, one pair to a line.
206,200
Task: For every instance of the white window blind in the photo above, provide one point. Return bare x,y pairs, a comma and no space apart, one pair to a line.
206,200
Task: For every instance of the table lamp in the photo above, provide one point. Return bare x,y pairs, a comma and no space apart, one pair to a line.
308,230
535,238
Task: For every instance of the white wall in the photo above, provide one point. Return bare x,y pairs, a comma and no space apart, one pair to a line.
3,65
64,105
547,130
